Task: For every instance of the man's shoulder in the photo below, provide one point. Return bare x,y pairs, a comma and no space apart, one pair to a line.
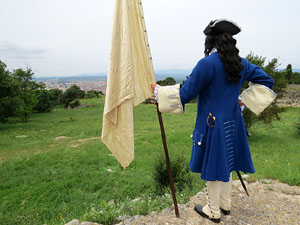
208,59
212,60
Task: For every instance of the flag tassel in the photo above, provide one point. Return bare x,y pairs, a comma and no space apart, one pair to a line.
163,137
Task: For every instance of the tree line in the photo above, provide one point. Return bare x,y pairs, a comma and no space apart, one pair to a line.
21,96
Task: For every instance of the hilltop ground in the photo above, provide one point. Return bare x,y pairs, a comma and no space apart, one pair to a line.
270,202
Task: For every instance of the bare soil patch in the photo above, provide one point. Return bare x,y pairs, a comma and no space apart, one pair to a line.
291,97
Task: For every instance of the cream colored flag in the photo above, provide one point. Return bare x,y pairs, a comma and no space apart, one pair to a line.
130,75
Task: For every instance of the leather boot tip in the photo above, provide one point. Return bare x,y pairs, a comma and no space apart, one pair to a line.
225,212
198,209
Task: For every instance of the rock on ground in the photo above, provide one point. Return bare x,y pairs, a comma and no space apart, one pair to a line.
77,222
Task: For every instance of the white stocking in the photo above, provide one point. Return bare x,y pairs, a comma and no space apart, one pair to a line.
212,209
225,194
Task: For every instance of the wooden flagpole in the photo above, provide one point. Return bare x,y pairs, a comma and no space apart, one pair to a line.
163,137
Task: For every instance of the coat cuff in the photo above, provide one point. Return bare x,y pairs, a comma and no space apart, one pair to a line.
169,99
257,97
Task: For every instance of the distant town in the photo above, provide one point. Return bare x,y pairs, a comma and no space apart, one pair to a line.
85,82
98,82
85,85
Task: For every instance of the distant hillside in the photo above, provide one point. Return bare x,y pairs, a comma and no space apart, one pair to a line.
79,77
178,74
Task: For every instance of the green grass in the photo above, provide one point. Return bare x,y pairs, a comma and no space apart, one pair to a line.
276,149
48,181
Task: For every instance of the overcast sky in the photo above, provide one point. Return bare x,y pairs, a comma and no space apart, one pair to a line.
67,37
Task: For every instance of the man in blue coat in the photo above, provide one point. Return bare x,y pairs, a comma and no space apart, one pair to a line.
220,143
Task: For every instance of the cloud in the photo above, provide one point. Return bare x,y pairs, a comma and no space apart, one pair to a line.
13,50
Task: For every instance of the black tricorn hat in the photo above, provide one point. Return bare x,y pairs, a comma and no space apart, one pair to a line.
221,26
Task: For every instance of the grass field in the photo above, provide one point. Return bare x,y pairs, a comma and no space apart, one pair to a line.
55,168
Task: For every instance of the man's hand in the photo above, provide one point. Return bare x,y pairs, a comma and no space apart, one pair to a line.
153,100
240,102
153,87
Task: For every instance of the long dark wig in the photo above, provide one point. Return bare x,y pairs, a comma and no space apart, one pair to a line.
228,52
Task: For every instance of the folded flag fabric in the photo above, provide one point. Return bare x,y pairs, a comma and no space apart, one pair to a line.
130,75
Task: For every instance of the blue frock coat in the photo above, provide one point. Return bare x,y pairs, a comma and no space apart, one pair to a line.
224,148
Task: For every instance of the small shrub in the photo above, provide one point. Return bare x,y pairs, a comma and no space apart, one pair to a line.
180,171
75,103
72,93
93,94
